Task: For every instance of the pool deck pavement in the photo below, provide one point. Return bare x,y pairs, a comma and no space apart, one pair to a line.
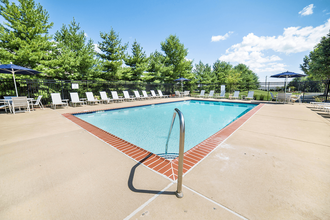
275,166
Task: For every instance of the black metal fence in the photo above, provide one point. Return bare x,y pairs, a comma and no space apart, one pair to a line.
34,88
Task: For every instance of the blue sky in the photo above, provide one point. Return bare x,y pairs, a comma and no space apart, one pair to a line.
268,36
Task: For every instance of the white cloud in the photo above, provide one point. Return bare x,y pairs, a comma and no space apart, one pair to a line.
308,10
85,34
220,37
251,51
96,48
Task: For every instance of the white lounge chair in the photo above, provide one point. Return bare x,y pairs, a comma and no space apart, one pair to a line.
104,97
153,94
56,100
75,99
90,98
161,94
222,94
202,94
145,95
250,95
20,102
296,98
37,103
236,95
115,97
178,94
186,93
211,94
127,97
137,95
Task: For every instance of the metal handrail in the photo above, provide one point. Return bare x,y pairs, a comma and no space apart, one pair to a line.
178,192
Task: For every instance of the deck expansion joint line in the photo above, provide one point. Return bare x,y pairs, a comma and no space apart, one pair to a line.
216,203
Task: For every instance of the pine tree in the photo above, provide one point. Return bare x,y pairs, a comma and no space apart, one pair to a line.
75,58
112,55
24,38
138,62
157,70
176,57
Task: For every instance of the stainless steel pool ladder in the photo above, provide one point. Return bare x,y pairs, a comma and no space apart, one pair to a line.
178,192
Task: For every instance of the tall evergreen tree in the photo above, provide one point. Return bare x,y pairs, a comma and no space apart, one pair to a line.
75,58
24,38
157,70
112,54
138,62
176,57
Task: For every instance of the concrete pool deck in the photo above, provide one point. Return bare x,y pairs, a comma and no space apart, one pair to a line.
275,166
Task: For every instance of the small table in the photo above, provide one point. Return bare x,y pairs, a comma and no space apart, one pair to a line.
9,101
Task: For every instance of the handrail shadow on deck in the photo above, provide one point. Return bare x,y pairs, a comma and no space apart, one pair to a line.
131,177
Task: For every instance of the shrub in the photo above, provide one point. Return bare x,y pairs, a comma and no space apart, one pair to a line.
262,97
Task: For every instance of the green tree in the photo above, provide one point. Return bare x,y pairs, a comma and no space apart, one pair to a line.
24,38
249,80
138,62
176,57
233,79
203,73
317,65
157,70
221,69
75,59
112,54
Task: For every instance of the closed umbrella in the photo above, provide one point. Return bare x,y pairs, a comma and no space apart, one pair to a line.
287,75
181,79
14,69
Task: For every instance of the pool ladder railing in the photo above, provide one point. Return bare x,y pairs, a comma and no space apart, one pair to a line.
178,192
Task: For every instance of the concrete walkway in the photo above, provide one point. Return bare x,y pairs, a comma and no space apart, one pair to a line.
276,166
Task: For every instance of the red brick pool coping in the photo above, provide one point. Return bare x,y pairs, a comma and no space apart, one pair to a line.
168,168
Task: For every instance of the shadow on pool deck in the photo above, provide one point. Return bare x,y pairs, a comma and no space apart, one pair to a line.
131,178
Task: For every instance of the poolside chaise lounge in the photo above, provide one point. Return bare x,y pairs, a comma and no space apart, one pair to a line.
250,95
202,94
115,97
37,103
90,98
210,95
145,95
75,99
178,94
153,94
137,95
186,93
127,96
56,100
273,97
296,98
104,97
161,94
236,95
222,94
20,102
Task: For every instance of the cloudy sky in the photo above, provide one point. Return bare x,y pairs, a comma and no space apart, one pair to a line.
268,36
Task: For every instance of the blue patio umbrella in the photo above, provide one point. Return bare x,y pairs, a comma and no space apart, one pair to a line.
181,79
287,75
14,69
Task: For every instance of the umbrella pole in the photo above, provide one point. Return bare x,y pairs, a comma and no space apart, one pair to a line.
14,82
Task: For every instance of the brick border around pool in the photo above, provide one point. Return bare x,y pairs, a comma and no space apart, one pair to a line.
168,168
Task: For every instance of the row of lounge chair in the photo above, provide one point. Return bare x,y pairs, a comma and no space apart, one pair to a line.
222,95
56,98
323,106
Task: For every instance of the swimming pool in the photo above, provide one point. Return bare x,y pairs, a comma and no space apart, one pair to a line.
147,126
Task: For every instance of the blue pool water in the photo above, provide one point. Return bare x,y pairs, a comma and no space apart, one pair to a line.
148,126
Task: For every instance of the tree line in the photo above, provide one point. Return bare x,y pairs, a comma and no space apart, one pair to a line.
25,41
